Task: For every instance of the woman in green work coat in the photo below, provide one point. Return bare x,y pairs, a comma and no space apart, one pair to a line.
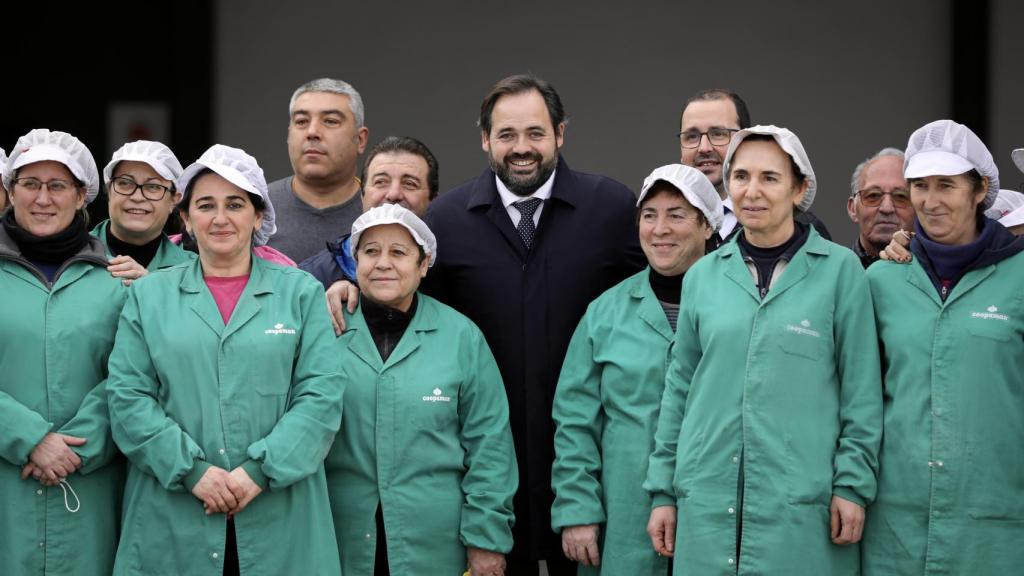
225,395
60,478
423,471
141,195
951,325
608,395
766,446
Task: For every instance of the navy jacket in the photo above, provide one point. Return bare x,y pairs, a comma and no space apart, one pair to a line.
528,303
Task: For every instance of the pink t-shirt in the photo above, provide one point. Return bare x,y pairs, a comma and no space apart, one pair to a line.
226,290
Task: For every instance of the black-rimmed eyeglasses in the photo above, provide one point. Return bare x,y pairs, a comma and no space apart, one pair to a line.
717,137
150,190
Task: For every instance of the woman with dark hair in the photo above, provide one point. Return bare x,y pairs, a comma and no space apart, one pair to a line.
609,391
224,388
141,195
770,421
60,310
951,326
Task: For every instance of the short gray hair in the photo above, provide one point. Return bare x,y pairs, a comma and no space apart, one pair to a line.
859,170
335,87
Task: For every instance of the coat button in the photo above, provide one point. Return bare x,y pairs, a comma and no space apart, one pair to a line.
42,544
214,555
939,463
930,463
735,459
367,536
937,411
39,492
731,561
221,451
732,510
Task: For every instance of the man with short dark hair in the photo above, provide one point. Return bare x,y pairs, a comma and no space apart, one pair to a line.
522,250
879,203
707,124
398,170
326,134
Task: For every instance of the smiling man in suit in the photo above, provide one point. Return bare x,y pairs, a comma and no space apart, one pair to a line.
522,250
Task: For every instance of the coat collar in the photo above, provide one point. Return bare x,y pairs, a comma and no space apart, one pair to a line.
796,269
359,340
564,189
648,307
204,306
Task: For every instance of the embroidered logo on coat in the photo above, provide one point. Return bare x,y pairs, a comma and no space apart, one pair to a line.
991,313
804,328
279,329
437,397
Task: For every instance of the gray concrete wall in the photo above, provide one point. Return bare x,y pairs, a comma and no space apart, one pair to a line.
849,78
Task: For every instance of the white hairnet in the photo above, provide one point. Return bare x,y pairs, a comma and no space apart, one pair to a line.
42,144
1015,218
3,167
396,214
1006,201
1018,158
694,185
158,156
237,167
945,148
790,144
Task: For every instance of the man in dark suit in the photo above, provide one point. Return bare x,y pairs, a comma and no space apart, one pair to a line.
522,251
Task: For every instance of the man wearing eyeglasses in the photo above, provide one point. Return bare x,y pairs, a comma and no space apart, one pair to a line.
706,126
879,203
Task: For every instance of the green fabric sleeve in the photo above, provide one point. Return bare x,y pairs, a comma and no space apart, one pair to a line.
860,395
297,445
154,443
579,423
684,357
492,474
21,429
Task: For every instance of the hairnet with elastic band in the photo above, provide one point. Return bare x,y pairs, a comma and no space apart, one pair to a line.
155,154
694,185
946,148
3,167
396,214
242,170
1006,201
790,144
41,145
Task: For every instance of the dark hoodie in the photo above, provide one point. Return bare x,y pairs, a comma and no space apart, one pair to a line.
946,265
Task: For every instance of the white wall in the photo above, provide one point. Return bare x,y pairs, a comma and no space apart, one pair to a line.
849,79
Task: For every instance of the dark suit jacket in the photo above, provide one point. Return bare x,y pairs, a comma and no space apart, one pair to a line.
528,303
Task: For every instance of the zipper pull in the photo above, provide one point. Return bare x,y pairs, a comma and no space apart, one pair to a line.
944,292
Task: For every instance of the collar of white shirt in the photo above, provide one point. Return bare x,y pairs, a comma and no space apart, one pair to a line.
508,198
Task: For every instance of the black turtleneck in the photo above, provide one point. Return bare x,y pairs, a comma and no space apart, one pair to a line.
667,290
387,325
143,254
765,259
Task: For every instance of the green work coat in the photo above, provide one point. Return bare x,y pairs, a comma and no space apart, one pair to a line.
951,482
263,392
167,255
426,436
770,408
53,360
606,407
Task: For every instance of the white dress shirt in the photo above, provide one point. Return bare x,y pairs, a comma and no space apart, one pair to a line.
729,220
508,198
